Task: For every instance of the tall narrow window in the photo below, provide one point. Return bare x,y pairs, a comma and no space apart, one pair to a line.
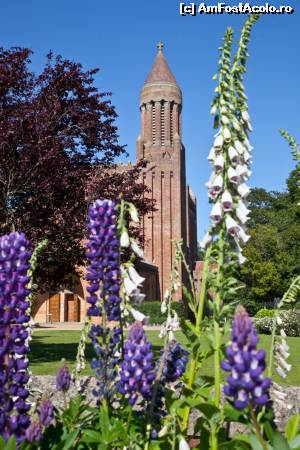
153,123
171,123
162,122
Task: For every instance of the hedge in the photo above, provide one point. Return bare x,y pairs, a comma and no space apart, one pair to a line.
153,310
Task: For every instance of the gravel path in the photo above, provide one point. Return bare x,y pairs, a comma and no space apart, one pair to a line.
45,386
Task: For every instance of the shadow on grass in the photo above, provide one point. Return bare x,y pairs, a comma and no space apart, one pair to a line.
47,352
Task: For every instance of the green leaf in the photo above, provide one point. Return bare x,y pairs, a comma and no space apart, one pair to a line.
91,436
233,414
279,443
70,439
292,427
208,409
11,444
295,444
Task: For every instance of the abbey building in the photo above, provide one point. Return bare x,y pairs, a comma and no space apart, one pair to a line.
174,218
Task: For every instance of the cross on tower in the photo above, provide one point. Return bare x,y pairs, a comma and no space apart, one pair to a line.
160,46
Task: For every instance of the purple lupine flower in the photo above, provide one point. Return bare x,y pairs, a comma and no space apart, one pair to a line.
103,272
246,384
34,433
14,264
175,364
137,372
46,412
107,346
63,379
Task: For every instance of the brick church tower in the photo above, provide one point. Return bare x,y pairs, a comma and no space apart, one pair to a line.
160,142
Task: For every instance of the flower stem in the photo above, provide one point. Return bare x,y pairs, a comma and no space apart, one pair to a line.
257,428
216,311
270,365
202,296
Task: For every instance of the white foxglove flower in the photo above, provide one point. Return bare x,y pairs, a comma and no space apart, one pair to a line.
282,362
243,236
243,190
205,241
183,445
232,175
133,213
129,286
219,163
217,183
162,332
137,250
171,336
246,156
135,277
241,170
227,202
225,120
138,297
226,134
209,183
172,322
211,155
239,147
138,316
233,154
223,110
242,212
231,226
218,143
241,258
245,116
236,124
216,213
279,320
213,109
280,372
164,306
124,239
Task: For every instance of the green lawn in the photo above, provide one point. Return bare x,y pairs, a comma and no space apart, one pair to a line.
49,347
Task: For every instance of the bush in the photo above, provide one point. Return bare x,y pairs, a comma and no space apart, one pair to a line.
264,312
153,310
290,323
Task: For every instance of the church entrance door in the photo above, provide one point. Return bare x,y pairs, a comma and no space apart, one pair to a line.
72,308
54,308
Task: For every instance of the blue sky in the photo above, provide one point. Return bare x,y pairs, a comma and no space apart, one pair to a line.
120,38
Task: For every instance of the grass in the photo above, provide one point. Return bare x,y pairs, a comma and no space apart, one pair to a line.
49,347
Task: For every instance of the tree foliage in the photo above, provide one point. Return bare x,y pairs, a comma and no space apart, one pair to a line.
273,253
56,131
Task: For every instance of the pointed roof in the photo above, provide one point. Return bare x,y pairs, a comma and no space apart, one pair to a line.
160,72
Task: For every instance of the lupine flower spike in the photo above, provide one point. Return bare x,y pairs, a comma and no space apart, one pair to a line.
246,384
14,307
137,372
103,272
